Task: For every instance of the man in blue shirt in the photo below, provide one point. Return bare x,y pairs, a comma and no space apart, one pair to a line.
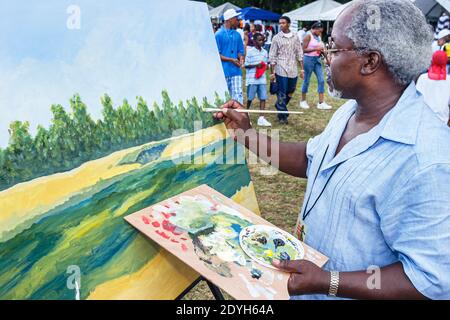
378,196
231,50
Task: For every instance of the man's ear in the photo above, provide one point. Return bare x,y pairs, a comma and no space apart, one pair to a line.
371,63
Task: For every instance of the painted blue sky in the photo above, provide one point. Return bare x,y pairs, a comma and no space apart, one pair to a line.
123,48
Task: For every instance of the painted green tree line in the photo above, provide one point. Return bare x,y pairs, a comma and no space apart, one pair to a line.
74,138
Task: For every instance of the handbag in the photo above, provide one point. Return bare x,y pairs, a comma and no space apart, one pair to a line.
273,88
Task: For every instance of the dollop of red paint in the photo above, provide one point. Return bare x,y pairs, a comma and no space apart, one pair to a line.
156,224
170,227
145,220
163,234
166,215
184,247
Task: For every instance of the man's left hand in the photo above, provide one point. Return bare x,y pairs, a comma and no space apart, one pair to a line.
306,277
302,74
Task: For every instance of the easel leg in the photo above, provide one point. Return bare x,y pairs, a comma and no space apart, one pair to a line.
185,292
214,290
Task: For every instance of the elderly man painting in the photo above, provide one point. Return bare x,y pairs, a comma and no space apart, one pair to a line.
378,191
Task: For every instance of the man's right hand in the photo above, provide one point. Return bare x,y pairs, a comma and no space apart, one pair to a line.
234,120
291,158
237,63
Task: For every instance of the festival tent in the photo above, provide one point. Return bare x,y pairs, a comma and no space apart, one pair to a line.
332,14
313,11
433,9
253,13
220,10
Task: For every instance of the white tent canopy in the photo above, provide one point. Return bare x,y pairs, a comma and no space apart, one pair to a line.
313,11
332,14
220,10
433,8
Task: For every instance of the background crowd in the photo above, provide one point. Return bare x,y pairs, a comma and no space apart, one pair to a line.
273,57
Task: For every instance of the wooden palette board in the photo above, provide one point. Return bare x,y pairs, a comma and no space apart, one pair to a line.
233,276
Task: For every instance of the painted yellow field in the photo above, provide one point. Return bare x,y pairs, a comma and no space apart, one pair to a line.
246,197
27,200
155,281
30,199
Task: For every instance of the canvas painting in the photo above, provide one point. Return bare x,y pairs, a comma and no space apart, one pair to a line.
202,228
101,116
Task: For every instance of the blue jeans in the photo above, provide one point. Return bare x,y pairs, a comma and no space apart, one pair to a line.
253,89
286,87
313,64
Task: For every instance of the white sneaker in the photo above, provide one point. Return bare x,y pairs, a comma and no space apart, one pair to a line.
324,106
304,105
262,122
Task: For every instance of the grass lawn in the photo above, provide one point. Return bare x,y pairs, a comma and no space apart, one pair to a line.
280,196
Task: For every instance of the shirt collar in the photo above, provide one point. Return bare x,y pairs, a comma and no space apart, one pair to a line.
399,125
287,35
403,120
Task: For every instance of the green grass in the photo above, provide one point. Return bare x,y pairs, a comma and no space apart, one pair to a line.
280,196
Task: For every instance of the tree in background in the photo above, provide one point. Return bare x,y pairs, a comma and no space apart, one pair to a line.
20,150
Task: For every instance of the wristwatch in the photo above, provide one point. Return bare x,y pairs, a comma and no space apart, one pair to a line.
334,284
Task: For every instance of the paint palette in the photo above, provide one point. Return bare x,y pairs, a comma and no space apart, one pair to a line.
265,243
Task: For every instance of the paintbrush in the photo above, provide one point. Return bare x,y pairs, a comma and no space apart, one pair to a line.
254,111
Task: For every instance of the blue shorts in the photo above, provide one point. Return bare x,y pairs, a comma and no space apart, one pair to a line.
253,89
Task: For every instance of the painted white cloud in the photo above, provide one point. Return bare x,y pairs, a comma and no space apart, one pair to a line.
137,48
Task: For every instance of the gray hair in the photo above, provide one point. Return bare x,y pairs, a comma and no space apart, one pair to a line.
398,30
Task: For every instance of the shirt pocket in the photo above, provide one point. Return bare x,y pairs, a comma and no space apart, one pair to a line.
359,241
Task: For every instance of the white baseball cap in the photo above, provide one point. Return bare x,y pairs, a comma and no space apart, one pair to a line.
443,33
230,14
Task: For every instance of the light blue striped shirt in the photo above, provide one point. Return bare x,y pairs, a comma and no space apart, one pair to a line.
389,198
255,57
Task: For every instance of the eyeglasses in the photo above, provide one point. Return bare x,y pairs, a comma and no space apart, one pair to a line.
331,51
